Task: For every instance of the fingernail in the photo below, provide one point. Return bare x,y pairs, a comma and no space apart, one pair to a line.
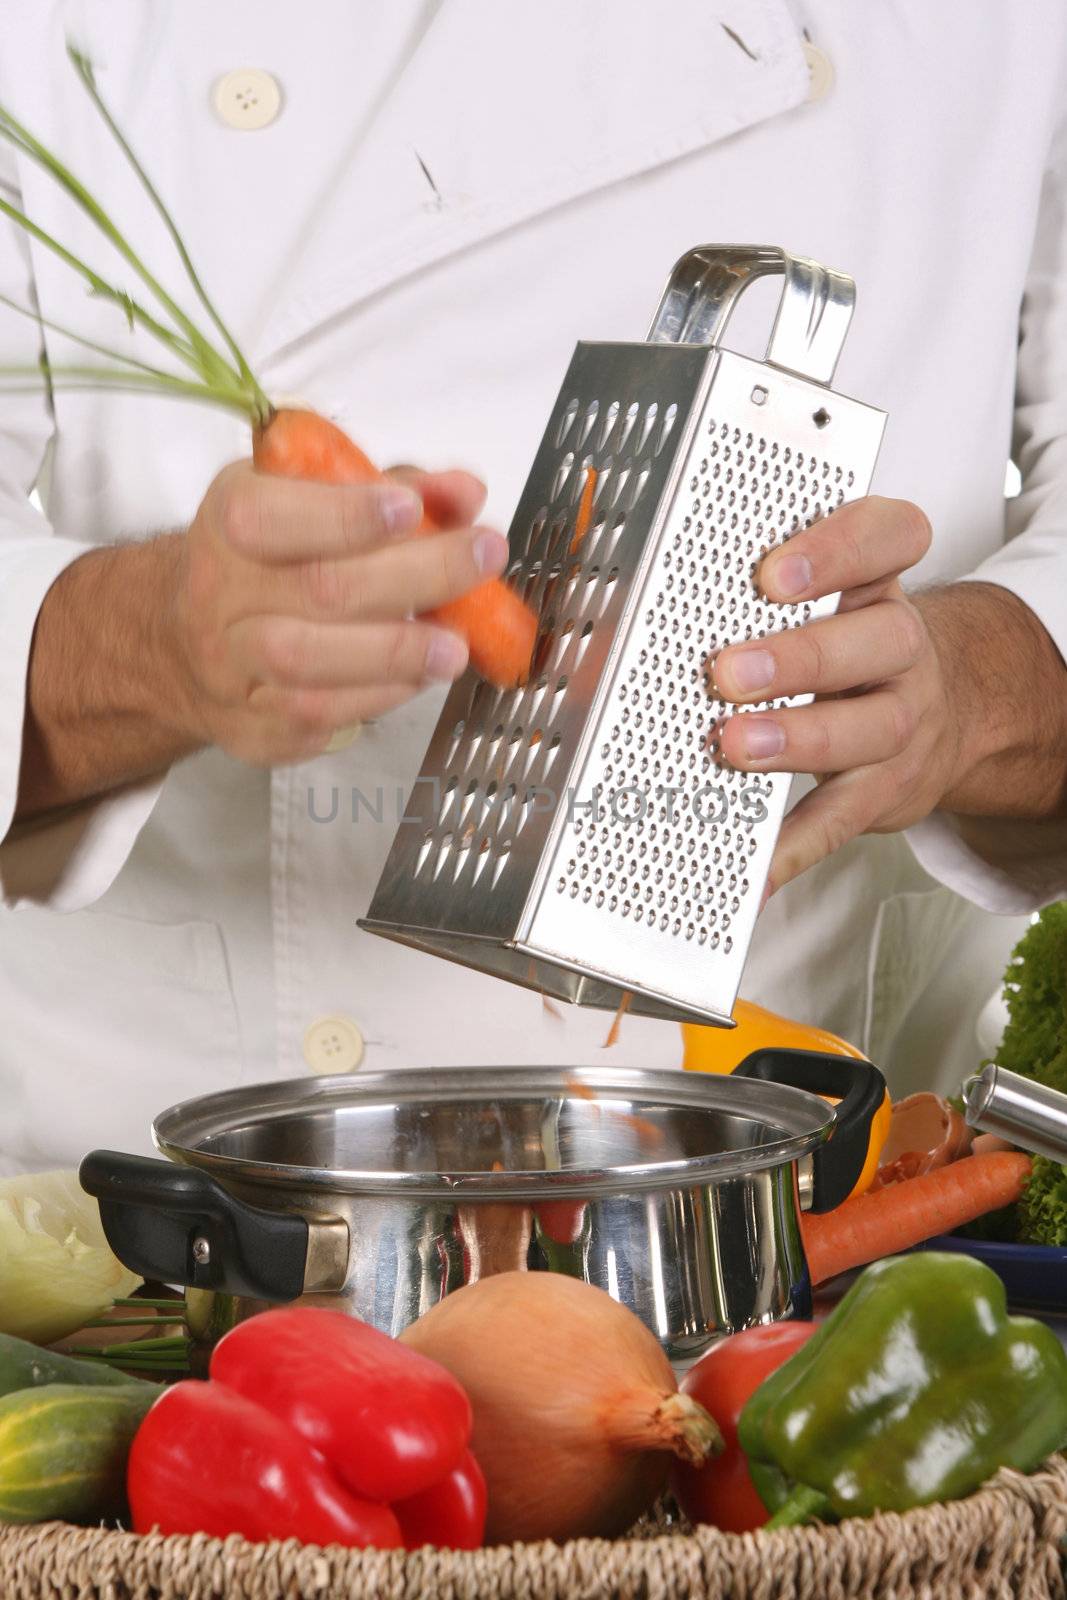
400,509
446,657
762,737
746,670
341,738
490,552
791,575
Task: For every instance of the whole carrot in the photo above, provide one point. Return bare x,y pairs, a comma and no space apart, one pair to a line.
905,1214
500,629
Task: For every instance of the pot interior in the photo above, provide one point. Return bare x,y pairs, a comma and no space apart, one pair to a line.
505,1133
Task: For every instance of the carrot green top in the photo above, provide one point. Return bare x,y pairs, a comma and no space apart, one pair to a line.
220,372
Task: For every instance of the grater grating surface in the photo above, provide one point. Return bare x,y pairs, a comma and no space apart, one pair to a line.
500,761
687,859
578,835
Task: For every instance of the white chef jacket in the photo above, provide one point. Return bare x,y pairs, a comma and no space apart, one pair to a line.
409,224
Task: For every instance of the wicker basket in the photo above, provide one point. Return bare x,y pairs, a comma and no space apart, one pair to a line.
1004,1541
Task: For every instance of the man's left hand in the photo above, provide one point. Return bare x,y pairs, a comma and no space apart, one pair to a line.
921,703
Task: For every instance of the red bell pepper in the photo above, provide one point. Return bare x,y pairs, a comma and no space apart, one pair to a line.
390,1422
722,1492
206,1460
451,1515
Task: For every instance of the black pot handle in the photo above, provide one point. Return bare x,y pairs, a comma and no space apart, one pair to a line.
858,1086
176,1224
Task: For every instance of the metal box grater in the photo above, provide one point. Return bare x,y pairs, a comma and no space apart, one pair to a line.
577,835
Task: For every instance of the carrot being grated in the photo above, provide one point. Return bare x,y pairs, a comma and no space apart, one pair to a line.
498,626
585,509
613,1031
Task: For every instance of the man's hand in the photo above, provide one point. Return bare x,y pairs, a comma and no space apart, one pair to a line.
283,615
956,699
295,602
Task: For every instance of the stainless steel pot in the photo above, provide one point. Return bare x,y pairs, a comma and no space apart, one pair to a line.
678,1193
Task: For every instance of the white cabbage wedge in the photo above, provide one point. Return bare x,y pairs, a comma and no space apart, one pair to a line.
57,1271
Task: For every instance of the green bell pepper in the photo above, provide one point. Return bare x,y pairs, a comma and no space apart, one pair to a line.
916,1388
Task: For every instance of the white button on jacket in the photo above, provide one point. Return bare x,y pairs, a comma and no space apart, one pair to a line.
820,70
443,200
333,1045
247,98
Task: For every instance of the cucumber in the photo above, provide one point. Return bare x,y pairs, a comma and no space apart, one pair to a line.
26,1366
63,1450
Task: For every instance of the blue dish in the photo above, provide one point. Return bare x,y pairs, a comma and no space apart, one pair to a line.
1034,1275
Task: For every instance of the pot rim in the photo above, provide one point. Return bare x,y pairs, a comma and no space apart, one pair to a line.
805,1121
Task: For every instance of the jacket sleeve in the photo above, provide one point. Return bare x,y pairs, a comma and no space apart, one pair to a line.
1005,865
66,860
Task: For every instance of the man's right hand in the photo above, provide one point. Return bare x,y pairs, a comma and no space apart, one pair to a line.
286,613
295,607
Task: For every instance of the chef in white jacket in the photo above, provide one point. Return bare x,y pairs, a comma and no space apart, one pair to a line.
409,214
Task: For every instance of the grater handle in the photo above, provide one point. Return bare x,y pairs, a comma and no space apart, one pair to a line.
814,311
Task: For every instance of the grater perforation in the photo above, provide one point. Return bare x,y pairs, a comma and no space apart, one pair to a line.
581,834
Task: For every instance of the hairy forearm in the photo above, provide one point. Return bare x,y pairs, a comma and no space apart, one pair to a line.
1007,686
104,706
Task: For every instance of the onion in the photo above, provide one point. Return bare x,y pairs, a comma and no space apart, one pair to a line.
56,1269
576,1410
